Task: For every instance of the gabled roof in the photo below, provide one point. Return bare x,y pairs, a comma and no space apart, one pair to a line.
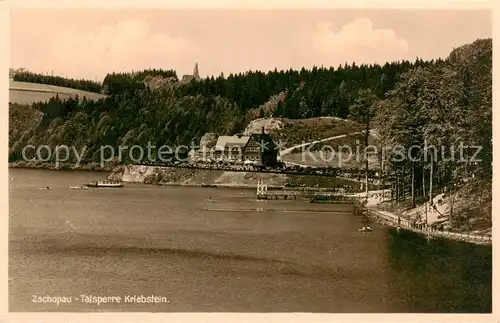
265,138
231,141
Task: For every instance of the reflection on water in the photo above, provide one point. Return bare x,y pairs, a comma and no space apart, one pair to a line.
446,275
236,254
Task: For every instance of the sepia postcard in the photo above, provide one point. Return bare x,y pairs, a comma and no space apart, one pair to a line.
249,160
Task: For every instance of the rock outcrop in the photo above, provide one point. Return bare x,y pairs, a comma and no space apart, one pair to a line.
270,125
193,177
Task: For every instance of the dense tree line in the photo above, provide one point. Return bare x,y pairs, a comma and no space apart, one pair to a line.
307,93
84,85
113,83
132,118
116,83
179,113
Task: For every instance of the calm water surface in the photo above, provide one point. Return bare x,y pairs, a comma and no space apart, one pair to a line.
234,254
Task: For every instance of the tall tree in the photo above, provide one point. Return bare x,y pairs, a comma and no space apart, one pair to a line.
363,111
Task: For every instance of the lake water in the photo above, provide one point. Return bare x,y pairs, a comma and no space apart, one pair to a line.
233,254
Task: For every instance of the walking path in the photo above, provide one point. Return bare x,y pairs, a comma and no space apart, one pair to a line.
396,220
392,220
289,150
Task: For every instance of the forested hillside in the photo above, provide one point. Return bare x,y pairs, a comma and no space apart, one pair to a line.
446,106
174,113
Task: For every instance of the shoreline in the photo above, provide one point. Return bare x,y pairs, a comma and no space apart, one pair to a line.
197,177
222,185
370,209
391,219
115,172
83,168
168,175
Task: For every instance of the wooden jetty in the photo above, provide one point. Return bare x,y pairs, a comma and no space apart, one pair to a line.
334,198
292,194
264,193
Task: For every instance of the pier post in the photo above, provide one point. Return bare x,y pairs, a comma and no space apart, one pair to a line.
261,189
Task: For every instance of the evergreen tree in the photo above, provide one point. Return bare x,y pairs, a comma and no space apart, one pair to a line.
261,113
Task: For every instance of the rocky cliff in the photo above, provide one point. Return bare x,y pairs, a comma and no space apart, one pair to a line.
193,177
202,177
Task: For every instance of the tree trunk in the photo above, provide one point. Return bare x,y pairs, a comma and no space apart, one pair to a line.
403,186
392,193
452,202
366,157
397,188
413,201
425,200
382,173
466,167
430,184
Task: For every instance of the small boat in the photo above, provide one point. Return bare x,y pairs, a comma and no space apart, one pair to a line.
365,229
81,187
104,184
45,188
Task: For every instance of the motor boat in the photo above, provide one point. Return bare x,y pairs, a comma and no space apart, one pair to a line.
104,184
81,187
365,229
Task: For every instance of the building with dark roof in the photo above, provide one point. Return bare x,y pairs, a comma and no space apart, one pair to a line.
261,148
258,149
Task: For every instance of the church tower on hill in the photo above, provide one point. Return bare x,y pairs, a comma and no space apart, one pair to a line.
196,72
195,76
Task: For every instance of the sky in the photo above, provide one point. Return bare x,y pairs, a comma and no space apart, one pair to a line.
89,43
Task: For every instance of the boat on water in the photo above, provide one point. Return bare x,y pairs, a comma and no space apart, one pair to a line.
104,184
365,229
47,188
81,187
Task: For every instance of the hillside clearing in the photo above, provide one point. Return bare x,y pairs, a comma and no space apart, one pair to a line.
29,93
293,132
